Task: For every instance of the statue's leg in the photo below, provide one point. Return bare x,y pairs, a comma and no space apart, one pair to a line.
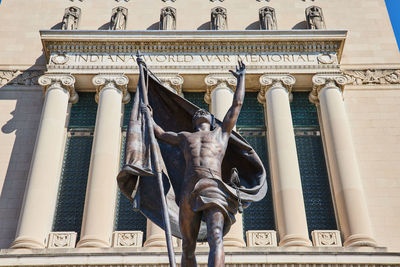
215,227
189,224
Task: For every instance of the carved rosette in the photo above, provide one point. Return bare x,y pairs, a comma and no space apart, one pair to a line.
60,81
261,238
218,80
112,81
276,80
326,238
127,239
320,81
172,81
62,240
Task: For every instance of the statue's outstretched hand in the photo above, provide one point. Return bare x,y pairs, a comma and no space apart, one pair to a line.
240,70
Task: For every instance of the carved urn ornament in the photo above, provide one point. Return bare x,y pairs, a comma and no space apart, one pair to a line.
267,18
119,18
219,19
71,18
315,18
168,18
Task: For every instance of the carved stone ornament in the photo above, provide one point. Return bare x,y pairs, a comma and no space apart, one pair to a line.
216,0
268,81
60,81
172,81
315,18
62,240
267,18
327,58
168,0
219,19
76,0
261,238
217,80
71,18
326,238
119,18
115,81
320,81
168,18
371,77
127,239
122,0
263,0
17,77
59,59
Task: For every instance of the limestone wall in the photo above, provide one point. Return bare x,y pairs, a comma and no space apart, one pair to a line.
370,39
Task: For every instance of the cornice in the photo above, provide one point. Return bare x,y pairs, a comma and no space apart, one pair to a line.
234,42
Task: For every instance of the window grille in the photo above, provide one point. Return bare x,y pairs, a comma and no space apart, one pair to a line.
314,177
73,180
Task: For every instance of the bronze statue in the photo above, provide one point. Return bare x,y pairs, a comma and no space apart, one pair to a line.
71,18
202,195
203,170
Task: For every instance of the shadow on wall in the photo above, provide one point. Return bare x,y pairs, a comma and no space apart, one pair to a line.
105,26
300,26
23,125
253,26
205,26
154,26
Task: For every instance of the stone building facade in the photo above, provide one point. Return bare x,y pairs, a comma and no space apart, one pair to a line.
321,110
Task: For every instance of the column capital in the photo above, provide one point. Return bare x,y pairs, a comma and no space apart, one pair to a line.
322,80
172,81
116,81
215,80
61,81
272,80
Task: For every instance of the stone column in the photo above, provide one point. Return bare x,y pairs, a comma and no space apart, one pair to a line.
99,210
40,198
155,236
348,193
219,95
172,81
286,186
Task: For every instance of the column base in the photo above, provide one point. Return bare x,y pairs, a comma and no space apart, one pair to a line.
92,242
360,240
234,242
295,241
27,242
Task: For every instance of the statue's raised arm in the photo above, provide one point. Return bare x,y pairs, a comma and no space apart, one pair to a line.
233,112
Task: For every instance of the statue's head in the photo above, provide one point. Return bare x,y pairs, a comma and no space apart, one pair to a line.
202,116
72,9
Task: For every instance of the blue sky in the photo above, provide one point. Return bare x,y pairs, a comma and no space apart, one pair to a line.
393,7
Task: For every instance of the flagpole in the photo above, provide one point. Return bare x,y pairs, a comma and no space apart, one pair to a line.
158,169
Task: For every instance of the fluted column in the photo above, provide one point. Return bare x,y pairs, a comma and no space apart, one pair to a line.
172,81
98,215
219,95
285,173
40,198
155,236
348,193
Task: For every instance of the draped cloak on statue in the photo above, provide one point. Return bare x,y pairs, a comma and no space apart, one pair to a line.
137,180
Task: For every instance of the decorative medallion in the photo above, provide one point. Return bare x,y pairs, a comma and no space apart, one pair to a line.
60,59
127,239
261,238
